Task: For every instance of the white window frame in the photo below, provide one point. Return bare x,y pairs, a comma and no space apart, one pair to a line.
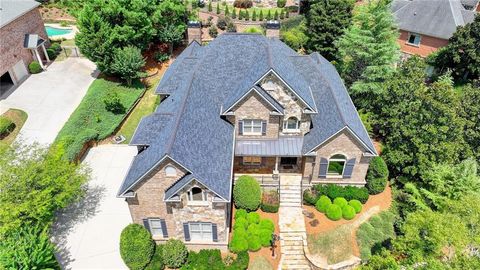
285,125
190,199
152,227
251,162
416,36
169,167
344,160
250,124
205,231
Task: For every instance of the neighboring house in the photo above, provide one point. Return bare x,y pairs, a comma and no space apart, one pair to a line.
22,40
426,25
243,104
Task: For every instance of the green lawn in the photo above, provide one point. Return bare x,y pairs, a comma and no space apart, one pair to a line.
373,233
334,245
18,117
91,120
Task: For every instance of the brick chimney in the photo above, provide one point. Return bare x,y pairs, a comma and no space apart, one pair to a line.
273,29
194,32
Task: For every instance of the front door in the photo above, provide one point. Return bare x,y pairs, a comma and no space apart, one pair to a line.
288,163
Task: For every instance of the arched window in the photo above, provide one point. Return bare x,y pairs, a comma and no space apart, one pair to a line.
196,194
292,124
336,164
170,171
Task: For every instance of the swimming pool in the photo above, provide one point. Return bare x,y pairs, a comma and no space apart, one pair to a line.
52,31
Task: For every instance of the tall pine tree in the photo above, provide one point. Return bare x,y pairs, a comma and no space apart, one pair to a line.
326,22
368,51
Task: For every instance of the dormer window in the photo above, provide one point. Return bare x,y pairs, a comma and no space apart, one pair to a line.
170,171
196,194
414,39
291,125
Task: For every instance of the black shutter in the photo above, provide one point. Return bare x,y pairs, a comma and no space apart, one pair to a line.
348,170
164,228
186,232
214,232
146,224
323,168
240,127
264,128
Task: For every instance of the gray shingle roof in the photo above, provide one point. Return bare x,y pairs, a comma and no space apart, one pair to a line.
436,18
12,9
187,126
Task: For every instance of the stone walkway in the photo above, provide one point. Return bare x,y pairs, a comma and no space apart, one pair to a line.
293,235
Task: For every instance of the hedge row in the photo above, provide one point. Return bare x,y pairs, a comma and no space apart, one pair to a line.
207,259
339,208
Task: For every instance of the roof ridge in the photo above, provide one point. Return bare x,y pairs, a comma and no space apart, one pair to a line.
455,19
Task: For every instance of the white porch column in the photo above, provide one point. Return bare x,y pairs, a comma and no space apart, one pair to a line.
45,52
35,52
276,164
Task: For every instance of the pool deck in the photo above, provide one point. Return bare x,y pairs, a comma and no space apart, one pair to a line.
70,35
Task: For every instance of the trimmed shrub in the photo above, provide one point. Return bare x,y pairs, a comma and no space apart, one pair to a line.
348,212
247,193
270,202
253,218
243,3
52,54
222,23
340,201
267,224
34,67
254,243
174,253
357,205
113,103
334,212
377,176
240,222
241,263
349,192
240,213
238,244
6,126
156,263
204,259
265,237
240,231
310,197
161,57
281,3
136,246
253,229
323,203
213,31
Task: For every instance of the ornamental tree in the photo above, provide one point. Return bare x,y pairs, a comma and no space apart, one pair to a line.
127,63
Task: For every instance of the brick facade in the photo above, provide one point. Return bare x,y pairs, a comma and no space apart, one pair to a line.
12,38
427,45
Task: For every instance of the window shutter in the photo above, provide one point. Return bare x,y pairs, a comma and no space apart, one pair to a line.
323,168
214,232
264,128
186,231
146,224
347,172
164,228
240,127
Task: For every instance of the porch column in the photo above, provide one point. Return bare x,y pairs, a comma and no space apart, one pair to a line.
45,52
276,164
35,52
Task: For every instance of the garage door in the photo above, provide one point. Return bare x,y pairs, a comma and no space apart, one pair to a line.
20,70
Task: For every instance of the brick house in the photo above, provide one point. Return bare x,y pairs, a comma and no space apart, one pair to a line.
243,104
23,39
425,25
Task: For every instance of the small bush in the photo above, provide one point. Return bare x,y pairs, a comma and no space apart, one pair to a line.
270,202
254,243
253,218
161,57
253,229
231,27
348,212
156,263
213,31
357,205
243,3
247,193
113,103
240,213
265,237
281,3
241,263
6,126
348,192
340,202
34,67
56,47
267,224
174,253
238,244
240,231
240,222
136,246
51,54
323,203
222,23
310,197
204,259
377,176
334,212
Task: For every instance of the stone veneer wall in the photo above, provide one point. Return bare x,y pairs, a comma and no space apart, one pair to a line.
343,143
149,203
12,37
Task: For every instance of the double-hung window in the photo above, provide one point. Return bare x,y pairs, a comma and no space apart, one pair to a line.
414,39
155,226
201,231
252,127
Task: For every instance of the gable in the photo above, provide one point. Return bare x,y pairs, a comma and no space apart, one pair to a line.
278,90
344,139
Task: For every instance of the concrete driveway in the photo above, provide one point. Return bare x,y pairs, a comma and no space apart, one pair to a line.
50,97
88,233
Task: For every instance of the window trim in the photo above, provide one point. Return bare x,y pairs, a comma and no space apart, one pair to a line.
285,125
331,175
416,35
151,228
201,224
203,202
252,124
251,163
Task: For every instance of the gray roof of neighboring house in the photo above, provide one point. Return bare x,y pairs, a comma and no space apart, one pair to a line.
471,3
12,9
283,146
188,128
436,18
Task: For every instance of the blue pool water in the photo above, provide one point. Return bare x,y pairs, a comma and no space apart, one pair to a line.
52,31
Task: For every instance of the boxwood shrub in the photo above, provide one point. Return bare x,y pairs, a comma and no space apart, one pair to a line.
340,202
156,263
253,229
238,243
34,67
270,202
174,253
334,212
212,259
267,224
240,213
322,203
265,237
310,197
348,192
6,126
356,204
240,222
254,243
377,176
247,193
348,212
136,246
253,218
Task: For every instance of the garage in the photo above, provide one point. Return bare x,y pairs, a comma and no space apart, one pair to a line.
6,83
